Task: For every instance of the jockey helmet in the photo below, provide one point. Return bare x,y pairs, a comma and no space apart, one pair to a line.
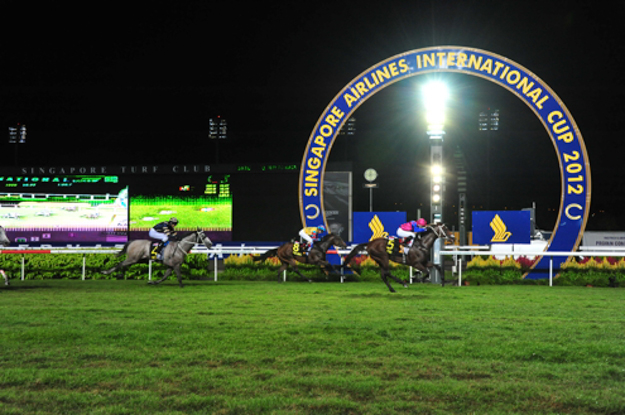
421,222
173,221
321,228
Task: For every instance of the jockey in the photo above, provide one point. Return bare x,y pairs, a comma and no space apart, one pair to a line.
163,231
411,229
311,234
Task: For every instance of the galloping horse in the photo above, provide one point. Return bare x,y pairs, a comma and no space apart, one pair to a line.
4,241
417,257
316,256
174,253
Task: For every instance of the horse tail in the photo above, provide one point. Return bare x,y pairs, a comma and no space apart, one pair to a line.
353,253
268,254
124,249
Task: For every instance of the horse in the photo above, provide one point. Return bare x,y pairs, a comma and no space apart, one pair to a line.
174,253
4,241
417,257
316,256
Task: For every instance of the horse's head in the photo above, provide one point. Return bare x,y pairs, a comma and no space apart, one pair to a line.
442,231
4,240
203,238
338,241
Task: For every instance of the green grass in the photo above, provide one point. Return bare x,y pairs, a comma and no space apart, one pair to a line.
123,347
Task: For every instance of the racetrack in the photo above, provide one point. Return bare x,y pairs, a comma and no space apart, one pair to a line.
116,347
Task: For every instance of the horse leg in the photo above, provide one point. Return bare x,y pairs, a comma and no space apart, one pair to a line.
296,270
179,275
167,273
383,273
424,271
399,281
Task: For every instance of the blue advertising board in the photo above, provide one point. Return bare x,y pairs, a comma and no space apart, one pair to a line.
371,225
501,227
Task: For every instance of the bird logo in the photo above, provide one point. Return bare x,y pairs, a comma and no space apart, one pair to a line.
500,229
377,228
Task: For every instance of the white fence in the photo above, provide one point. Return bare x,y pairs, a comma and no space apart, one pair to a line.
217,252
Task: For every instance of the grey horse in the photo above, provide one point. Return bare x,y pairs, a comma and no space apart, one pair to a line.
174,254
4,241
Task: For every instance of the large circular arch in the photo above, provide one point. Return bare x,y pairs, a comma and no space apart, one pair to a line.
562,129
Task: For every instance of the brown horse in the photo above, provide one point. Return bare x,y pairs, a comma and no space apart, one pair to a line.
418,256
174,254
316,256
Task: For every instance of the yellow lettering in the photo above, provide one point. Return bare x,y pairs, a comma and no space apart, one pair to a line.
567,138
349,99
534,94
429,60
403,66
552,115
362,89
475,62
310,192
451,58
320,141
317,151
325,130
462,57
314,162
441,56
539,104
394,70
337,112
368,82
513,77
332,120
311,175
568,213
498,66
383,73
525,85
488,66
560,127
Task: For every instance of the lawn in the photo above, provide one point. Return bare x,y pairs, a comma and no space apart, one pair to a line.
123,347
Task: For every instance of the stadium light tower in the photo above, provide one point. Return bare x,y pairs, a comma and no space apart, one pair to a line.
435,97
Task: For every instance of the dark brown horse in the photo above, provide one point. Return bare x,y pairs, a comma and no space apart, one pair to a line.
174,254
418,256
316,256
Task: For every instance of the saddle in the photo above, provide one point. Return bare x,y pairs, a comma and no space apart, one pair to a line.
300,249
394,246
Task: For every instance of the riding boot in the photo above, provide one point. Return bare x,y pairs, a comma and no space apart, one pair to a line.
156,253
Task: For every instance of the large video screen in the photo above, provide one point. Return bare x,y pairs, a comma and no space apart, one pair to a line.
108,210
64,209
203,201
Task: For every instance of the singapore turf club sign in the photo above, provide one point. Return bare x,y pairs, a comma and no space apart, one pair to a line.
538,96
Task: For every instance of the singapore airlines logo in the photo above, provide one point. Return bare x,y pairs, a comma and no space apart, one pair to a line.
500,229
377,228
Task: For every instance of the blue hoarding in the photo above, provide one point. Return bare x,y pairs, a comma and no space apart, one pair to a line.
501,227
371,225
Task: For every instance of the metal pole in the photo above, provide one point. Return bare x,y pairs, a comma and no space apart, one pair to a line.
216,265
150,270
459,272
551,271
371,199
84,265
23,273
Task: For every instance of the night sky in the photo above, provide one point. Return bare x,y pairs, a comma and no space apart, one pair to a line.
135,84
